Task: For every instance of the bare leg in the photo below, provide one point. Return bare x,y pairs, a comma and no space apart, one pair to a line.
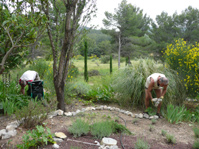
147,98
158,94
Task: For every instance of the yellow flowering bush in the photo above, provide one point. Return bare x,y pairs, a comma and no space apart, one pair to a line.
184,58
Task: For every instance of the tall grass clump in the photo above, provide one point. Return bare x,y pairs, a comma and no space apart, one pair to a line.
129,83
184,58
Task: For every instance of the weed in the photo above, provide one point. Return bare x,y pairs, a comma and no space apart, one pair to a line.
79,128
164,132
35,138
153,121
151,128
141,144
135,121
170,139
175,114
196,144
196,132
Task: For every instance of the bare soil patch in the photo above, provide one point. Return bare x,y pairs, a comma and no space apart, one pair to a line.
139,127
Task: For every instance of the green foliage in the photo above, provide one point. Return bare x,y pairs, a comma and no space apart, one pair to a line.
79,128
93,73
41,66
170,139
196,144
34,113
118,128
73,72
104,94
153,121
129,83
184,59
105,59
175,113
101,129
196,132
151,111
37,137
163,132
141,144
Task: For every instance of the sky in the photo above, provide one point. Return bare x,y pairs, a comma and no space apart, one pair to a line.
150,7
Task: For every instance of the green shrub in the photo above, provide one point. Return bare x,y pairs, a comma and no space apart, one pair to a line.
93,73
105,59
170,139
141,144
164,132
102,94
118,128
35,138
196,132
34,114
196,144
73,72
153,121
175,113
101,129
184,58
79,128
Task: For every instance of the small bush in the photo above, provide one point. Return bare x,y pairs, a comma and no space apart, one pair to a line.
141,144
170,139
118,128
164,132
153,121
101,129
36,138
33,114
196,144
196,132
79,128
105,59
93,73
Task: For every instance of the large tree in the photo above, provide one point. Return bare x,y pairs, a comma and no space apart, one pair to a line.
167,28
125,22
18,29
77,14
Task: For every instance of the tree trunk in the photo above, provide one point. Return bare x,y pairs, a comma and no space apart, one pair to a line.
60,95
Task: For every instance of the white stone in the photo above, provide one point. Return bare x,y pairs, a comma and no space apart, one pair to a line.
140,115
9,134
55,145
151,117
58,139
68,114
105,108
109,141
145,115
78,111
117,109
155,117
60,112
2,131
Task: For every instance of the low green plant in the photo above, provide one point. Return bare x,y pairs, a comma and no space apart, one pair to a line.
105,59
151,128
141,144
104,94
101,129
118,128
135,121
164,132
196,132
170,139
151,111
79,128
37,137
196,144
153,121
34,113
175,114
8,107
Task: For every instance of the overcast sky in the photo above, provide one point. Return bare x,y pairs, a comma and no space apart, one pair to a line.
150,7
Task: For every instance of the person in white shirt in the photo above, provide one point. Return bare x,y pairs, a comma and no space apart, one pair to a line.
28,76
157,82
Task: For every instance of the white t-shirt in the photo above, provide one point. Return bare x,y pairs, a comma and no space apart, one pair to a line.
155,78
29,75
